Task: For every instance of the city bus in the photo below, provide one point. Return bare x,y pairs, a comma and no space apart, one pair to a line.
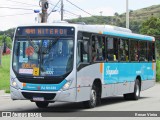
64,62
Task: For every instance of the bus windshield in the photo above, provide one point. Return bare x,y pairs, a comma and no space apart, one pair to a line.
43,56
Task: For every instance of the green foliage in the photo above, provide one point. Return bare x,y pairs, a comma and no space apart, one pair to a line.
158,71
7,40
151,26
9,32
7,35
5,73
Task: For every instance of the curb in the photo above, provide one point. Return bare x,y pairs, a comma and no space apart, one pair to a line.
3,94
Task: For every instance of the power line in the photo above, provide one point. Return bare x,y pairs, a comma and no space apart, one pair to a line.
79,7
22,3
17,5
63,9
54,6
16,8
16,14
72,13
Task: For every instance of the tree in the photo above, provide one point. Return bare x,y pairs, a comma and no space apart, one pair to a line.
116,14
152,27
7,40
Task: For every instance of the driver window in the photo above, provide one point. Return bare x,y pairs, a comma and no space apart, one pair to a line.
83,47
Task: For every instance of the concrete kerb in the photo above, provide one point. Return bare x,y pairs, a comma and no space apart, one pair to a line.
3,94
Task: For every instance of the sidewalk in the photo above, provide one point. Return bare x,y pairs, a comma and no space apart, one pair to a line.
3,94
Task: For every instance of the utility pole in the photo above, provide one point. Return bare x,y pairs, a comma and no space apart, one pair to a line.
3,48
101,12
44,15
127,15
4,43
62,10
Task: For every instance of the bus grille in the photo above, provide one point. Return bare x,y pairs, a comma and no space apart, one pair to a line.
46,96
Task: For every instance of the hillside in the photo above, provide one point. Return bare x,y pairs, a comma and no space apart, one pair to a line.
9,32
136,18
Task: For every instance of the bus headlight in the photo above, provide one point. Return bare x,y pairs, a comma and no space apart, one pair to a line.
67,85
14,83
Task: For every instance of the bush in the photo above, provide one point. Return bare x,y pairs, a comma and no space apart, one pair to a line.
158,71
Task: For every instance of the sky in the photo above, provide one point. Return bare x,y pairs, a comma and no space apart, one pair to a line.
10,18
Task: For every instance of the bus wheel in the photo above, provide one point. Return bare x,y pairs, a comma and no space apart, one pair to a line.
136,94
93,98
42,104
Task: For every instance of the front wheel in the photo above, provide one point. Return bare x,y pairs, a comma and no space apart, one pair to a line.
136,94
42,104
93,98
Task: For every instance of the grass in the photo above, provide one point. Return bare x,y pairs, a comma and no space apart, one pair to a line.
5,74
158,71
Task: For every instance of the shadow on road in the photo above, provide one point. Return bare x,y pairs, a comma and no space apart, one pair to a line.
61,107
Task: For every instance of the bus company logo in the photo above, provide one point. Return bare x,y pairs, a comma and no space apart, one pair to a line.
111,72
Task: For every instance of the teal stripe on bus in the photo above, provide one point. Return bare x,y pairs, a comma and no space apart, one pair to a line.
129,35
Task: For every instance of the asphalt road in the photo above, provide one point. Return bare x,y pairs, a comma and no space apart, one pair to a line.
149,101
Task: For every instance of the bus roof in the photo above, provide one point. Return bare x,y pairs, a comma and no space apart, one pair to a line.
100,29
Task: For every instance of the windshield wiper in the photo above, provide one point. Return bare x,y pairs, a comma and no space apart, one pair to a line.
45,50
56,40
36,48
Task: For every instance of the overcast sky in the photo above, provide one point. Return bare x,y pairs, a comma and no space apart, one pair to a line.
94,7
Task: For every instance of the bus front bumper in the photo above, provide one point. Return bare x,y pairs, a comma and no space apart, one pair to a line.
61,96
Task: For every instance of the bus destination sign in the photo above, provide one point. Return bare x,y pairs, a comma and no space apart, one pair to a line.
45,31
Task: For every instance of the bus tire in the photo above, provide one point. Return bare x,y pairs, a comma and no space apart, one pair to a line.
42,104
93,98
136,94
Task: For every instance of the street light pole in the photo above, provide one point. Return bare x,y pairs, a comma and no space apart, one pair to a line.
127,15
44,15
62,10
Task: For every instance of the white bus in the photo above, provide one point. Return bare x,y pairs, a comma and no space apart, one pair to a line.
74,63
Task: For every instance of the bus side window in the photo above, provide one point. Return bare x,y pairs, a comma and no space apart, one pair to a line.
83,47
82,52
153,52
143,51
85,51
150,54
123,50
112,49
97,48
134,55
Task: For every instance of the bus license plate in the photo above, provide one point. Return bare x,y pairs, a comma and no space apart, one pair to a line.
38,99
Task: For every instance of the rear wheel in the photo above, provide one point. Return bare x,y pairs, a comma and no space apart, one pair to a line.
42,104
93,98
136,94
